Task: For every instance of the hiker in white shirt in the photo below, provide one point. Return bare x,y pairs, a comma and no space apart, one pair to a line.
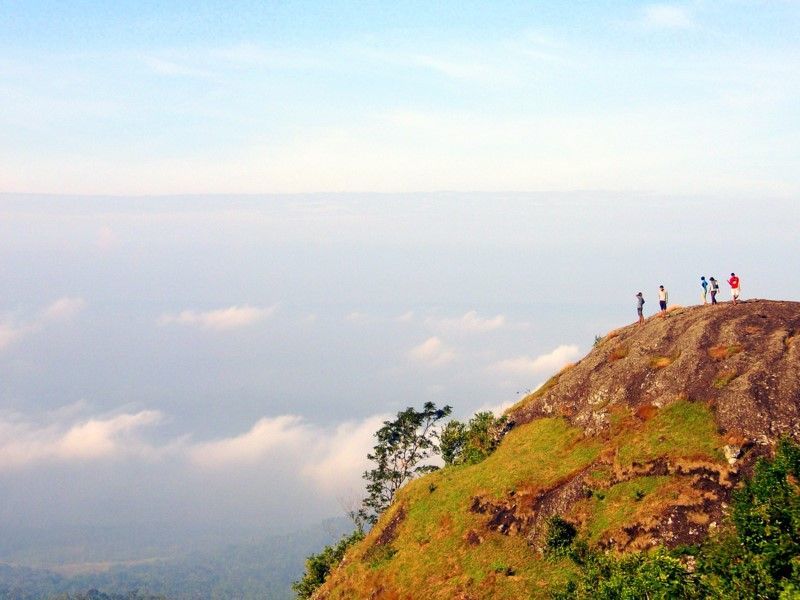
663,295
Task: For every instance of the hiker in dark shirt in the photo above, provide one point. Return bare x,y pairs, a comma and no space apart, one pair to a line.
640,307
704,293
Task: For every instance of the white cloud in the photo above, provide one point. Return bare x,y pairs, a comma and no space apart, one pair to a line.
432,352
667,16
172,68
406,317
10,333
222,319
63,309
468,323
24,442
496,409
332,459
252,446
341,456
549,362
357,317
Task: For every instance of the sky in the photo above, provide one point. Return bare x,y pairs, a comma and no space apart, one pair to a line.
257,97
236,239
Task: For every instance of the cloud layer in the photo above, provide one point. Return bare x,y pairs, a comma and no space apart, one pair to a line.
24,442
223,319
64,309
329,459
527,365
432,352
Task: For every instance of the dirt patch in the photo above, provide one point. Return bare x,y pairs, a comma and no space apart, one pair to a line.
389,533
473,538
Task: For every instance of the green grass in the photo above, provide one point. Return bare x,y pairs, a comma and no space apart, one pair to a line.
681,429
621,504
431,540
431,551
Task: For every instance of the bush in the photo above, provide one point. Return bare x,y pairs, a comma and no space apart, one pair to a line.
319,566
560,535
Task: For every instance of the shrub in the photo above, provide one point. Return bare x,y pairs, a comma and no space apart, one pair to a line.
560,535
319,566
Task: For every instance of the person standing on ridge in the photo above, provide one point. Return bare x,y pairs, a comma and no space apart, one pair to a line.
734,283
663,295
640,307
714,289
704,283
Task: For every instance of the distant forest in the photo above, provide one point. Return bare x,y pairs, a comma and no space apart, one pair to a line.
259,571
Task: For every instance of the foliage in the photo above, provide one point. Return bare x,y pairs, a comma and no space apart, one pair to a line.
764,557
471,443
400,454
656,576
319,566
758,558
452,442
560,535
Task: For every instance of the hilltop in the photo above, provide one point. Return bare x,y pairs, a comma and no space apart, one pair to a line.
639,444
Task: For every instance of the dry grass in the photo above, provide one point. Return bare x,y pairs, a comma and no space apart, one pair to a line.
619,352
646,412
724,378
660,362
723,351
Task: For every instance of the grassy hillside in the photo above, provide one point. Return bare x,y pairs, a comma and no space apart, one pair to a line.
639,445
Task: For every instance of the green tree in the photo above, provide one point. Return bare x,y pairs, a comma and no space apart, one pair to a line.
452,442
403,447
471,443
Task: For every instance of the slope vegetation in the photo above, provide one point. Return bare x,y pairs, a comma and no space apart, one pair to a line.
639,445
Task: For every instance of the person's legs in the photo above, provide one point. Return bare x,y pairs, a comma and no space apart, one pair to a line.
713,297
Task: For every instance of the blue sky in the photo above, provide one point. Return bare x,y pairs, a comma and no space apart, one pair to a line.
695,97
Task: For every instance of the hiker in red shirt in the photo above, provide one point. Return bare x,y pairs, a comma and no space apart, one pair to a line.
734,283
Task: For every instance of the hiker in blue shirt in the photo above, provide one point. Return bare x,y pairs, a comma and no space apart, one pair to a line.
704,283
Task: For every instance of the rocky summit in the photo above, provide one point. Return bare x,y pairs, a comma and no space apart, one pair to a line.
640,444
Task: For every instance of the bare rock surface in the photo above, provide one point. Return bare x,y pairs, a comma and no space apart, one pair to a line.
743,360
